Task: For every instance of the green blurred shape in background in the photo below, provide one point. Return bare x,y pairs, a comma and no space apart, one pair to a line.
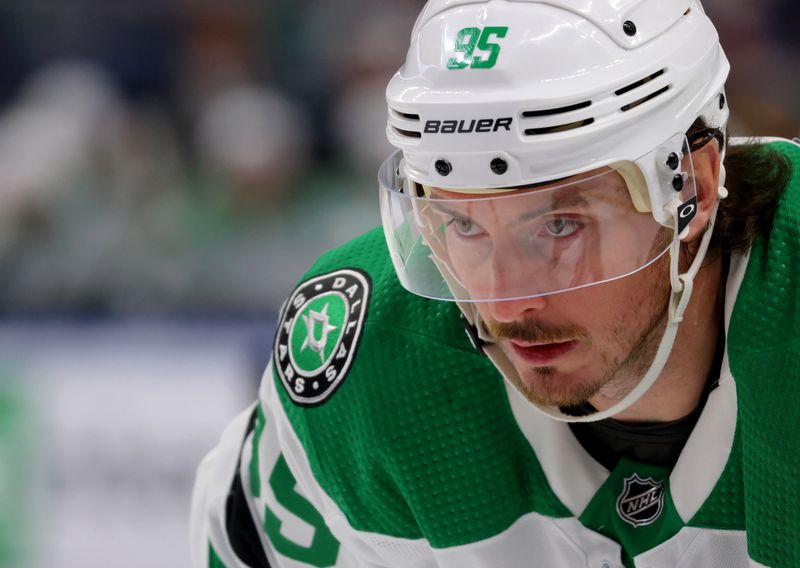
16,474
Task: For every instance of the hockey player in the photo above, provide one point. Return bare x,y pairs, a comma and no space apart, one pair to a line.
625,393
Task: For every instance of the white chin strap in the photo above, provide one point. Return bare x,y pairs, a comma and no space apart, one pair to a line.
682,285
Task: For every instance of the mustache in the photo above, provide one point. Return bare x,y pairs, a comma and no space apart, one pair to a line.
535,332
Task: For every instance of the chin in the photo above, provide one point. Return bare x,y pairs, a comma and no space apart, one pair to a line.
548,386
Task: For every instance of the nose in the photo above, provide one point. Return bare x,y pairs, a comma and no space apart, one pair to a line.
506,311
512,276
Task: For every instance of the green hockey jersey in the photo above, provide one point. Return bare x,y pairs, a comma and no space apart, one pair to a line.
381,438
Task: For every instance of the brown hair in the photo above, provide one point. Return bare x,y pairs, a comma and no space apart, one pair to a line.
757,176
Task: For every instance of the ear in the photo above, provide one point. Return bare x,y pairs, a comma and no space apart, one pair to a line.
706,162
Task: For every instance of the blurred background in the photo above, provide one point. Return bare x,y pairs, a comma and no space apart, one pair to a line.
168,170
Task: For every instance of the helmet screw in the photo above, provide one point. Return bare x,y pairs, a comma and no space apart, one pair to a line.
673,161
629,28
721,101
677,182
443,167
499,166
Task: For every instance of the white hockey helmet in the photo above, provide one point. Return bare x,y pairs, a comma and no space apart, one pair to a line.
535,134
568,85
513,93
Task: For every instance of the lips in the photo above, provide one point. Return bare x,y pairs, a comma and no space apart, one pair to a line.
543,354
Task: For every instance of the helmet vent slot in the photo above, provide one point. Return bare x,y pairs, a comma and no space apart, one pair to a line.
405,115
559,128
552,111
643,100
407,133
639,83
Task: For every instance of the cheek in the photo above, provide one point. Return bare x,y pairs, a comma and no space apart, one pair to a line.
591,307
484,311
627,308
610,310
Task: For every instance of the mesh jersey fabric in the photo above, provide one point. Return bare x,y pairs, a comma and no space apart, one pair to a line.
764,348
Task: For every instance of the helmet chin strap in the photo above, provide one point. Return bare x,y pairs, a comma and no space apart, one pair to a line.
682,286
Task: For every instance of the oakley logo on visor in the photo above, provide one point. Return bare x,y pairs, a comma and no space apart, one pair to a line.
686,213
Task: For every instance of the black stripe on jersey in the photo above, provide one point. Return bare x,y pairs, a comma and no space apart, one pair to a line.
239,524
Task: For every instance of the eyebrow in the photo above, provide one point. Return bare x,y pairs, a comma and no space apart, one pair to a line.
442,209
571,199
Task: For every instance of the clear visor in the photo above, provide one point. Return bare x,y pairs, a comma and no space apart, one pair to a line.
500,244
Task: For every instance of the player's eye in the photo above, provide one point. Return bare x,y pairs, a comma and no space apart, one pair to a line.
464,226
561,227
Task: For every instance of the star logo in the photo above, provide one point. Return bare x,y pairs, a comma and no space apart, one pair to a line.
311,320
318,333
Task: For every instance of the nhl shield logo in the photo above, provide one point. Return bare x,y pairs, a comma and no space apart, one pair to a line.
318,334
641,500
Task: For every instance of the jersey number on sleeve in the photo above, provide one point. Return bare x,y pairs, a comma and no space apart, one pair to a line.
324,547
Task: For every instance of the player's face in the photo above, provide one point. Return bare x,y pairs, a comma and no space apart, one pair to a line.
570,346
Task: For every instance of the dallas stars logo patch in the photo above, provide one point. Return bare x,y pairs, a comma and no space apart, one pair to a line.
641,500
318,334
